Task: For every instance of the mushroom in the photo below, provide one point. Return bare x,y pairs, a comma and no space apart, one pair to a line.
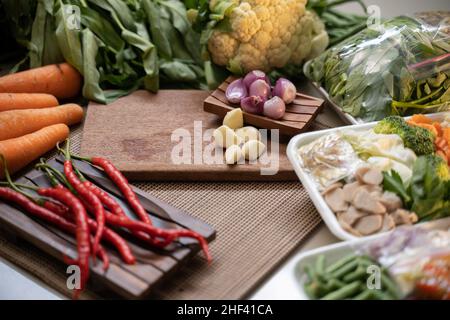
365,201
350,190
402,216
372,177
335,199
360,172
388,223
369,224
348,228
331,187
351,215
391,201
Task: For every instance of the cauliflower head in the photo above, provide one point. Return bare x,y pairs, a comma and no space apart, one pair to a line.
265,34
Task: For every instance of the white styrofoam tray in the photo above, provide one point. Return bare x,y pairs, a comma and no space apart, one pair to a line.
304,138
336,251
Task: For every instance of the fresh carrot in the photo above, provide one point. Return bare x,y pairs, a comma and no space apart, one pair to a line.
16,123
61,80
13,101
21,151
420,118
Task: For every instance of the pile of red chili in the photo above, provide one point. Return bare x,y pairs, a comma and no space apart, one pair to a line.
77,206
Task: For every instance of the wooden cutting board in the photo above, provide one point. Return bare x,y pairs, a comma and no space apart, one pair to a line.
139,133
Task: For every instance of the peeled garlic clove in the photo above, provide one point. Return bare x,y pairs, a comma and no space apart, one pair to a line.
234,119
253,149
233,154
225,137
248,133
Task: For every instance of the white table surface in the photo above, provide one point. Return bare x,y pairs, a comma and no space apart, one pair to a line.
16,283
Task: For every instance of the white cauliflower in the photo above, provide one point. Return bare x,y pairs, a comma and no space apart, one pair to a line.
265,34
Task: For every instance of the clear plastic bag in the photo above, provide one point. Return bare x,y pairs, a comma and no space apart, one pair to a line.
418,260
401,66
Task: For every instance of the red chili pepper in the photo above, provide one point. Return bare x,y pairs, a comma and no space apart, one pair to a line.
90,198
122,183
109,235
166,236
106,199
64,196
115,208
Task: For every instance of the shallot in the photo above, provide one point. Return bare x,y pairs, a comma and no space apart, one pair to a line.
285,89
259,88
236,91
253,104
274,108
254,75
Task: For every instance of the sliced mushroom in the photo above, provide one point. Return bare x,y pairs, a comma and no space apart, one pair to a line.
331,187
348,228
360,172
388,223
373,177
351,215
350,190
391,201
402,216
335,199
369,224
365,201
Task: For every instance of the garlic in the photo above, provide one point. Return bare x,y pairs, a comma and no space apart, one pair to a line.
253,149
234,119
225,137
248,133
233,154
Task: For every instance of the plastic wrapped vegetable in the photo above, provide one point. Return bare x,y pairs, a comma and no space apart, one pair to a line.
418,259
399,67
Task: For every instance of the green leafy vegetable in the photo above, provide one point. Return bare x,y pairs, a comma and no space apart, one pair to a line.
398,68
118,46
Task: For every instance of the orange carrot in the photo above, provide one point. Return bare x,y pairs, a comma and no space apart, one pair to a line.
16,123
61,80
13,101
420,118
19,152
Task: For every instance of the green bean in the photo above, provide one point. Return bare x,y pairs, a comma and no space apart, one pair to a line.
365,295
359,274
344,292
339,263
380,295
310,291
320,265
391,287
335,284
346,268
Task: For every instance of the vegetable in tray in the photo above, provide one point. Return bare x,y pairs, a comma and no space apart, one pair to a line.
410,263
374,180
400,67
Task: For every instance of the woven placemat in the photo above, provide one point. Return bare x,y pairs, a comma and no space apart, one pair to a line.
258,225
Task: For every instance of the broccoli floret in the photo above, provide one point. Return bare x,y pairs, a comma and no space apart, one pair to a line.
391,125
418,139
439,166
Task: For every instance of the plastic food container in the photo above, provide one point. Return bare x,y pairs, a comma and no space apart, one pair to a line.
334,252
319,202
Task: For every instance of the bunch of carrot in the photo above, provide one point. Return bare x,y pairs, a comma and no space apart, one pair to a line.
442,135
31,120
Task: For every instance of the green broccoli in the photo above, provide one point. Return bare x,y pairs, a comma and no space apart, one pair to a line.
418,139
439,166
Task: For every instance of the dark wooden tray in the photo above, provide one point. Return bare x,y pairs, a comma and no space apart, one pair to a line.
130,281
298,117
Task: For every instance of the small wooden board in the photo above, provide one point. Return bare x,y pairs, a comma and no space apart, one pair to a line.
139,134
298,117
129,281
